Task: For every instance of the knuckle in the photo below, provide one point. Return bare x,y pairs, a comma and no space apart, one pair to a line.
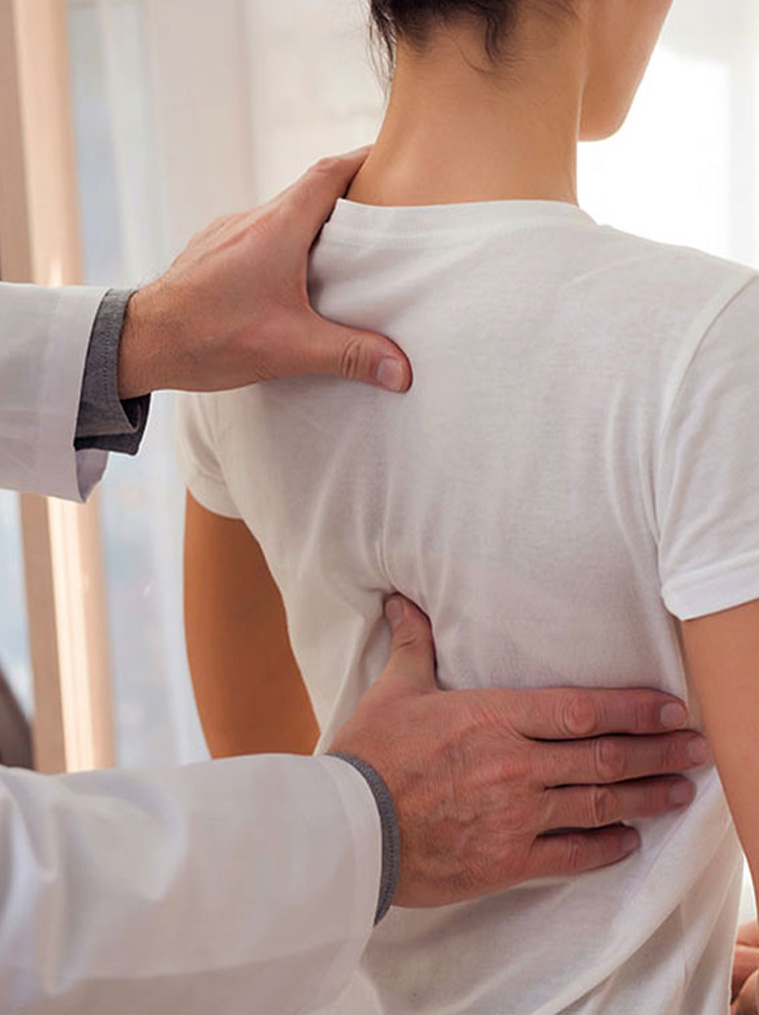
656,799
603,806
518,816
516,767
644,714
351,359
671,755
210,232
409,639
610,760
325,166
270,213
406,640
578,714
574,855
268,221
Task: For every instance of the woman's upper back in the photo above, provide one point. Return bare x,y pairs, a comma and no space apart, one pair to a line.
546,479
571,464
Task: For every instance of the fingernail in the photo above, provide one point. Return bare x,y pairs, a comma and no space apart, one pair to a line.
682,793
630,841
394,612
698,751
391,375
673,716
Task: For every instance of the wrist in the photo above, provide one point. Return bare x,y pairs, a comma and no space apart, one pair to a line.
391,838
138,372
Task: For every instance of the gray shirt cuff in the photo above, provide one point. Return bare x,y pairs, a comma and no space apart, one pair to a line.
104,421
391,833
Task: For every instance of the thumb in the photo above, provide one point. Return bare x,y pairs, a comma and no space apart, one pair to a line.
411,666
355,355
311,199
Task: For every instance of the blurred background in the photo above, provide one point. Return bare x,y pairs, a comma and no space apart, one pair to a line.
186,109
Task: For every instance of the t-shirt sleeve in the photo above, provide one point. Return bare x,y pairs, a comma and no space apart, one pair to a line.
707,489
197,456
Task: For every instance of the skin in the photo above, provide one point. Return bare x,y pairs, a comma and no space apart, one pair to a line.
478,777
235,622
460,128
745,984
723,656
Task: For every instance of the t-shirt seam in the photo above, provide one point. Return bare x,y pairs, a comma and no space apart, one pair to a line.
697,333
349,236
193,468
710,571
209,409
198,471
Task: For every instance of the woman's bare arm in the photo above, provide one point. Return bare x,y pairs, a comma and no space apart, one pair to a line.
723,656
249,690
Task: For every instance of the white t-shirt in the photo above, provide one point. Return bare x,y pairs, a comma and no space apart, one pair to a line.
576,465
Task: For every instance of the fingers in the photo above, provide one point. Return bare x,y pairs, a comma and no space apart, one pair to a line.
748,999
617,759
748,934
573,852
597,806
569,713
745,963
338,351
412,655
310,201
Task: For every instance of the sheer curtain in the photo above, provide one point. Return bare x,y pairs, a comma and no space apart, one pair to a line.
186,109
15,663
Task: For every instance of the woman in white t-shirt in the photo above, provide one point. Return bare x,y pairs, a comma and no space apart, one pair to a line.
570,491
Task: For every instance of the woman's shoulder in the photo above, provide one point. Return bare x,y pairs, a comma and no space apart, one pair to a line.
676,286
671,262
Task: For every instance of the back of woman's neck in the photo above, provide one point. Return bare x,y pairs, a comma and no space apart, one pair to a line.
453,134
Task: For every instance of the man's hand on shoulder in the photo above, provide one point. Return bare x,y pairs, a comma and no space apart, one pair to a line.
234,307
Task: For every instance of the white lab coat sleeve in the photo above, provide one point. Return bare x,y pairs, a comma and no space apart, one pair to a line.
44,336
231,887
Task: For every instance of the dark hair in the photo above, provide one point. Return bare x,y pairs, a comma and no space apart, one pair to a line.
412,20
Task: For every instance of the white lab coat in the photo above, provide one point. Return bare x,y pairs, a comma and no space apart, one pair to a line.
44,334
247,885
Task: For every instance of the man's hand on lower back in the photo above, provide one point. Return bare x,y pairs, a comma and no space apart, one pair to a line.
484,781
745,987
234,308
